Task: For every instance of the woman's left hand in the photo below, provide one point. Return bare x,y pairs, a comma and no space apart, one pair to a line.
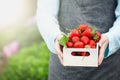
103,43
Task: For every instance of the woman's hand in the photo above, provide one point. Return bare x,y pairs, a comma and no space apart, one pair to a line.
59,48
103,43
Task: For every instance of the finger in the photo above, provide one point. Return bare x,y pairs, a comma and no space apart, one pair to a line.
59,52
61,60
101,55
58,48
102,41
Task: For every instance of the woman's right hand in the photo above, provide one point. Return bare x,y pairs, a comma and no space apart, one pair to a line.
59,48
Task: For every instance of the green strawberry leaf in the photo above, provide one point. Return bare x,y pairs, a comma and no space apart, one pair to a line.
63,40
94,30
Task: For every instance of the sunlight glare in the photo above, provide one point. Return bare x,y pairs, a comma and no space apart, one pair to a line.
10,11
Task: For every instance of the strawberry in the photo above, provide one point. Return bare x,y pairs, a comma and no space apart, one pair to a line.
75,39
92,44
73,53
83,27
78,44
89,32
79,53
87,46
97,36
85,39
70,36
85,54
74,32
69,44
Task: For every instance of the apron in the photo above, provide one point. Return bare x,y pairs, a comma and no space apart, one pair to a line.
99,13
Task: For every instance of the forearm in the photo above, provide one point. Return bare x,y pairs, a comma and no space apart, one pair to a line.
47,21
114,37
113,34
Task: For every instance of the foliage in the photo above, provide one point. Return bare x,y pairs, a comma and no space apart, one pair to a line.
30,63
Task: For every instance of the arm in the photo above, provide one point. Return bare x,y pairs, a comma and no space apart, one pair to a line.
48,26
112,37
113,34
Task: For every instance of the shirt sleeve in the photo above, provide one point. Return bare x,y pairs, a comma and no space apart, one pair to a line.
47,11
113,34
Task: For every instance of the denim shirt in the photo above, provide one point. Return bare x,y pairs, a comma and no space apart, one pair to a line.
48,25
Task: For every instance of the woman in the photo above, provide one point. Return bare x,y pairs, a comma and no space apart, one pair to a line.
56,16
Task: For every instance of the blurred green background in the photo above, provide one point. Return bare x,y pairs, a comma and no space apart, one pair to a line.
23,53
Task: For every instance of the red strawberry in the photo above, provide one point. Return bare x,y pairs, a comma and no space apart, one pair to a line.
75,39
69,44
70,36
97,36
79,53
85,39
87,46
83,27
92,44
73,53
89,32
78,44
74,32
85,54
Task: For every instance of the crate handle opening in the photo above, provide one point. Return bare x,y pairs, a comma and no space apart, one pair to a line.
80,53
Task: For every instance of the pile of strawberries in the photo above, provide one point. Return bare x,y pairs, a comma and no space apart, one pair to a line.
83,37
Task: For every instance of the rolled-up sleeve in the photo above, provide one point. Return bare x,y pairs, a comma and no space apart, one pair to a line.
114,34
47,11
